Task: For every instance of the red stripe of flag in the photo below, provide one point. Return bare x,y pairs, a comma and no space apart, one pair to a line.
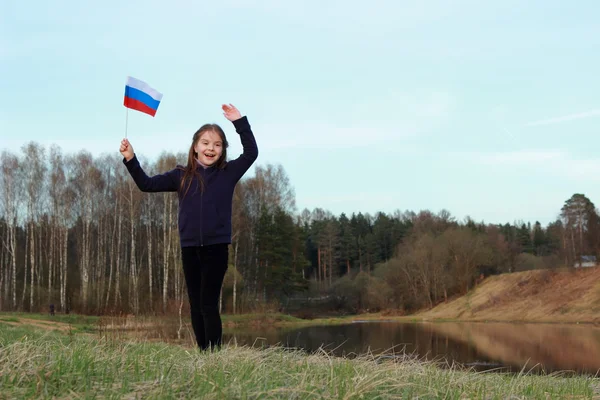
139,106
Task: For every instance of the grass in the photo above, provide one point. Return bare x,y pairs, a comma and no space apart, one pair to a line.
259,318
39,364
75,319
74,322
279,319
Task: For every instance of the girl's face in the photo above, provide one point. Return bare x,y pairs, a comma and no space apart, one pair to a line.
209,148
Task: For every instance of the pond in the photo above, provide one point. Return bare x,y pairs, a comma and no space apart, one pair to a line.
509,347
484,346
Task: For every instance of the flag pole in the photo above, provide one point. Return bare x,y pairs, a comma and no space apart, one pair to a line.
126,118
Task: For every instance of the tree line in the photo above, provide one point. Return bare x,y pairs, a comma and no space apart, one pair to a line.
76,232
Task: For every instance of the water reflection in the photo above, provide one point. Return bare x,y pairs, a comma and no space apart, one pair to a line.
482,346
544,347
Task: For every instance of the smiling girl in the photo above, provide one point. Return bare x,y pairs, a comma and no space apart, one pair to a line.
205,189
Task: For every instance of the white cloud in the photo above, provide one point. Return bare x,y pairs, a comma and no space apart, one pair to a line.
519,157
555,162
347,13
436,104
570,117
422,103
323,135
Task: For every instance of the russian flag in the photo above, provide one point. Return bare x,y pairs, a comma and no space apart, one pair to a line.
141,97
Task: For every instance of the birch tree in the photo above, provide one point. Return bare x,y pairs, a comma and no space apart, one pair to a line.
86,181
11,195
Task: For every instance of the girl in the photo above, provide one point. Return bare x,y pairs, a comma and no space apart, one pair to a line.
205,190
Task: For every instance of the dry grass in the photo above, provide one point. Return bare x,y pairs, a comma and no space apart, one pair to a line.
533,296
37,364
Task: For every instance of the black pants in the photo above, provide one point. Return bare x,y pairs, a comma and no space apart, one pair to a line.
204,269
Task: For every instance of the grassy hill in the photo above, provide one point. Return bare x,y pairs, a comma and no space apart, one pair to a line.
541,295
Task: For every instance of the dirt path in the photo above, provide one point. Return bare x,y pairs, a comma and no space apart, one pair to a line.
53,325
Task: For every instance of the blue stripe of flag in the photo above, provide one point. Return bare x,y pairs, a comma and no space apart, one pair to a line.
138,95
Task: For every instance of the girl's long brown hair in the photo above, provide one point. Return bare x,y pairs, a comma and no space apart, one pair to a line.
190,170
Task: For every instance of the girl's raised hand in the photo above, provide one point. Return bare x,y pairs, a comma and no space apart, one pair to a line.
126,149
230,112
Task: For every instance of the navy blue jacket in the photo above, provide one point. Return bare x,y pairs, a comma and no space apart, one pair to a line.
204,215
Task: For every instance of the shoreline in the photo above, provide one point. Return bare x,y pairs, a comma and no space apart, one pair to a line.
59,364
275,320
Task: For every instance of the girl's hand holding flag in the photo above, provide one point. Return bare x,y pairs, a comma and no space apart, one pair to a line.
126,149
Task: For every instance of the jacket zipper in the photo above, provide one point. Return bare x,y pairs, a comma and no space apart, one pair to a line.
202,187
201,218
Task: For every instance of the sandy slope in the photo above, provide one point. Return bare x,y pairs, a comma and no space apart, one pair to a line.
552,296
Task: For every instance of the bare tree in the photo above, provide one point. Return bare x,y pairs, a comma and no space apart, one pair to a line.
34,175
166,162
56,191
239,225
133,199
86,180
11,195
467,250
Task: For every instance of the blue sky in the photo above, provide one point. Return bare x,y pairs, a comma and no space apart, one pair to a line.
489,109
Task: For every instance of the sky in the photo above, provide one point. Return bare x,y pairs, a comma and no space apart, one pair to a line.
486,109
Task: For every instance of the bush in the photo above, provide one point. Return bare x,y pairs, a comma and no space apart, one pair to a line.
528,262
361,292
379,295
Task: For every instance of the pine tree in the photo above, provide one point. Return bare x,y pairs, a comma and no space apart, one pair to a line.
540,242
348,250
577,213
524,239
